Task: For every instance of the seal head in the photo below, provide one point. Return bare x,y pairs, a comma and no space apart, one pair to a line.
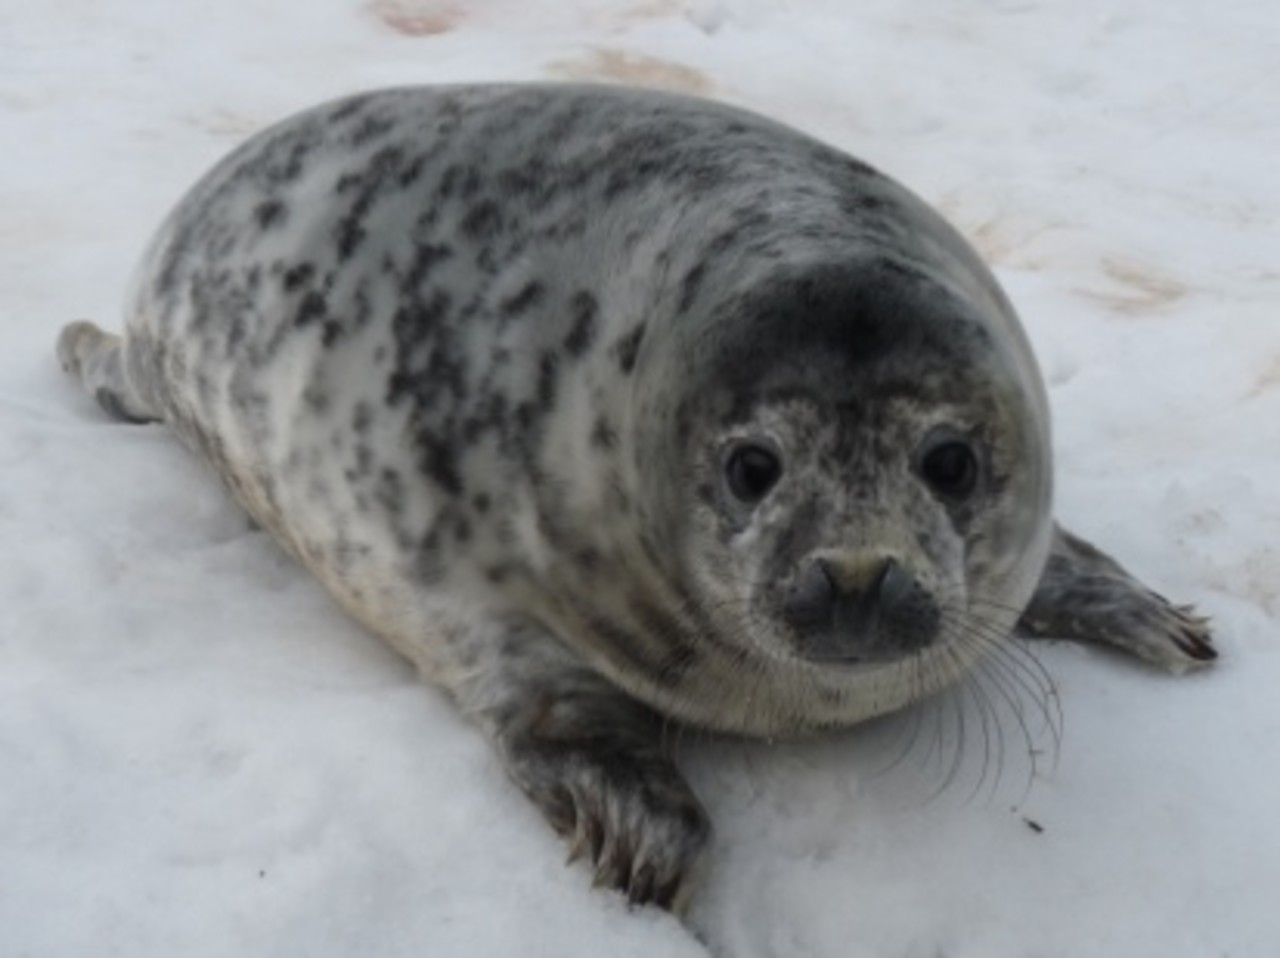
857,471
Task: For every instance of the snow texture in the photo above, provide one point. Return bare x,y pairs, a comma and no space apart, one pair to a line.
200,756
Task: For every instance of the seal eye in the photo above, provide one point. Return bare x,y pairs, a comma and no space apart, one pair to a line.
752,471
951,468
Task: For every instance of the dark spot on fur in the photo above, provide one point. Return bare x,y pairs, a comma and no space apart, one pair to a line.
389,491
313,307
431,379
483,221
363,305
316,399
269,213
361,417
350,234
236,330
488,260
426,256
412,173
689,288
370,183
470,183
371,128
603,435
629,347
347,182
364,460
440,462
583,308
529,296
297,276
525,414
548,365
421,319
449,180
480,502
291,168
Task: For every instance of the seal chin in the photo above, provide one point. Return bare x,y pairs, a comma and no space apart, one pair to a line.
871,611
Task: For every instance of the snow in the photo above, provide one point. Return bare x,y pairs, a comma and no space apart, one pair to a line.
199,755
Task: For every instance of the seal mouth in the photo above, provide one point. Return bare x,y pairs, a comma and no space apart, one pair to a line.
855,659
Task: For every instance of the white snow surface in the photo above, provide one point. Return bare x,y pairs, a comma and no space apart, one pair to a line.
200,756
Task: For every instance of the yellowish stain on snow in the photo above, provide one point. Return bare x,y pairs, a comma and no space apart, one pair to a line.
633,69
417,18
1141,290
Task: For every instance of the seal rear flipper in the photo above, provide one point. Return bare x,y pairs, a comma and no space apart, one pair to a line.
594,761
94,357
1086,596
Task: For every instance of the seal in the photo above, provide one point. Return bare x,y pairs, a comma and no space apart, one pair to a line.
609,409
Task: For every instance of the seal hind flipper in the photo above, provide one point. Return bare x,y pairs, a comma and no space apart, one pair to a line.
1086,596
94,356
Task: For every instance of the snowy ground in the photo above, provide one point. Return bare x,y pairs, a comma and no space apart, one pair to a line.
200,756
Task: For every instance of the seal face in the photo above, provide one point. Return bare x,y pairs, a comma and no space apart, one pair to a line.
607,407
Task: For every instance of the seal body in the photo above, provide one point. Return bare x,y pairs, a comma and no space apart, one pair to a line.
607,407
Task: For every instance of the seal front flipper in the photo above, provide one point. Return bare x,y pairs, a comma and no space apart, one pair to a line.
1086,596
593,760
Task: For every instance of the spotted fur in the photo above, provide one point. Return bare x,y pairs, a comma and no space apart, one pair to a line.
476,355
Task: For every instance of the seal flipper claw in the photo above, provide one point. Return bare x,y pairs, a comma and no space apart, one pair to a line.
592,759
637,822
641,888
1086,596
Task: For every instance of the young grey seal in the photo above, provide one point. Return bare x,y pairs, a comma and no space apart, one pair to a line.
609,408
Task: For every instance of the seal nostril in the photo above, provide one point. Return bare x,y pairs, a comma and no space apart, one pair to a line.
812,597
893,585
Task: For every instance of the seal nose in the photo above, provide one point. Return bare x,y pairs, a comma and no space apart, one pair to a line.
871,610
